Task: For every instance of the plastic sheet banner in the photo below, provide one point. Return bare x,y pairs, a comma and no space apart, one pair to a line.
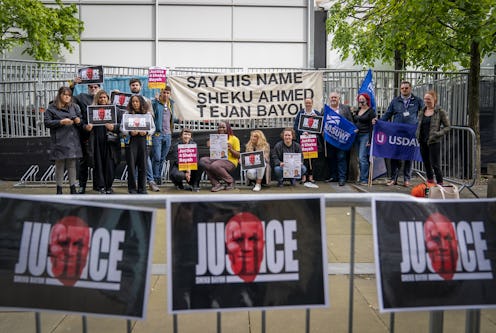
435,254
74,256
247,253
245,96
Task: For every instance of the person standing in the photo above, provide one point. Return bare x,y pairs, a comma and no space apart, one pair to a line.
433,124
307,178
220,169
337,159
63,118
136,151
192,177
105,145
286,145
163,111
135,86
403,109
258,142
83,100
363,121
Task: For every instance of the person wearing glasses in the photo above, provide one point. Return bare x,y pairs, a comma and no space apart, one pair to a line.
220,169
403,109
63,118
363,121
83,100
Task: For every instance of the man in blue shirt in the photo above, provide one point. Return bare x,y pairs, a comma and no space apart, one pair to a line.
403,109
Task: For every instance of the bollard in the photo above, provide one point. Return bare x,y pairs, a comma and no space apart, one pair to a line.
491,184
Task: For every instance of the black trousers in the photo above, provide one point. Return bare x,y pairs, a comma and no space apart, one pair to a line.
431,156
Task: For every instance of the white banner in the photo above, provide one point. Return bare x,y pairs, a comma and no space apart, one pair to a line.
245,96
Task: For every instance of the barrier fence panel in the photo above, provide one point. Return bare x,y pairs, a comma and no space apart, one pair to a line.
354,202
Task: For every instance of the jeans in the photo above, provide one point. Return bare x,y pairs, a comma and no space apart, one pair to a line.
160,148
361,141
395,170
278,172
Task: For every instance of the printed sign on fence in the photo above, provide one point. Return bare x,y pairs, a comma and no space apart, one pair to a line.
67,256
435,254
246,254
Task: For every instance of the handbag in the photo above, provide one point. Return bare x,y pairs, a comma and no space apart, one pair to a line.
444,192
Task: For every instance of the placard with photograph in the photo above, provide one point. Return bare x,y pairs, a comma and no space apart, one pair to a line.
102,114
119,98
309,146
137,122
187,157
311,124
252,160
218,146
292,165
90,75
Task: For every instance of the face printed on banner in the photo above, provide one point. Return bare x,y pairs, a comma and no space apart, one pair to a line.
441,244
69,245
245,244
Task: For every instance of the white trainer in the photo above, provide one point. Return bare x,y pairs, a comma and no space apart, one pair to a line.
311,185
257,188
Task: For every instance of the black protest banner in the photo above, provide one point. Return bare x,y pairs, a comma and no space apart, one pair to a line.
435,255
74,257
230,254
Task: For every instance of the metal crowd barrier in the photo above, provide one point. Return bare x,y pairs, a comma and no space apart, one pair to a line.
352,200
458,156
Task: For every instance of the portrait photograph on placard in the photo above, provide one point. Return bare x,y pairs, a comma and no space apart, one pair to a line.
90,75
218,146
252,160
137,122
120,98
292,165
102,114
311,124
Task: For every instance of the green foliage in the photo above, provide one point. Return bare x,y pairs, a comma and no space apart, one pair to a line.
42,30
424,33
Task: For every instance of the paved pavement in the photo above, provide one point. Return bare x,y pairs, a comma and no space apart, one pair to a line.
366,317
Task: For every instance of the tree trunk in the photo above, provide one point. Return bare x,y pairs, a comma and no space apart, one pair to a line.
473,102
398,66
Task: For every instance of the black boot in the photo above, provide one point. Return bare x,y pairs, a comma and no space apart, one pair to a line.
59,189
73,189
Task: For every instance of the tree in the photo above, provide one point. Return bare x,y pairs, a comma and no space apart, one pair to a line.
425,34
42,30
